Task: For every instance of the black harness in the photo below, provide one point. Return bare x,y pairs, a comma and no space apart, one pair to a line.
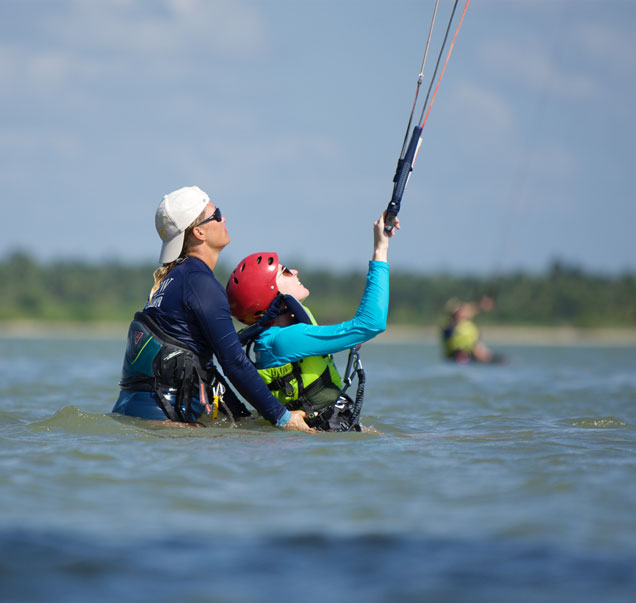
166,366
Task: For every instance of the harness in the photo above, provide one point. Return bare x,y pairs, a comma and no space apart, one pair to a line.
156,362
324,400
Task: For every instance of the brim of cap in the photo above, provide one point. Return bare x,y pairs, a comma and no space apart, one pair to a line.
171,249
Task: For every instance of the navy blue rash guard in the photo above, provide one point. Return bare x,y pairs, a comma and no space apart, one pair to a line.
192,306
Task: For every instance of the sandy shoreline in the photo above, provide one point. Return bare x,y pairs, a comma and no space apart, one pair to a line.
36,330
511,335
495,335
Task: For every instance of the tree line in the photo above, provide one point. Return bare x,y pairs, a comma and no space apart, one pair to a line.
563,295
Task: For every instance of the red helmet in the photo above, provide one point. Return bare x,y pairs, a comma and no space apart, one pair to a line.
252,286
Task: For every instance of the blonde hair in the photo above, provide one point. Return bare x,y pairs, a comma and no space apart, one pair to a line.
160,273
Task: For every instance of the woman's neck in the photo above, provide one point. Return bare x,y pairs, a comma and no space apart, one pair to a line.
208,256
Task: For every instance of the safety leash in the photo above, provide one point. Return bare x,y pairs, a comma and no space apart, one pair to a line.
354,365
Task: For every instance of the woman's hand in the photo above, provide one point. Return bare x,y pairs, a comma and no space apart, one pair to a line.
381,239
297,422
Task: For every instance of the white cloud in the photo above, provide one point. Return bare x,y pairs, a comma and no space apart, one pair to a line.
15,144
227,159
507,154
9,68
26,158
531,66
164,26
612,49
55,75
484,109
101,40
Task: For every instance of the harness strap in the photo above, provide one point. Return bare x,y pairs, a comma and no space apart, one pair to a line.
203,397
357,406
303,397
283,383
183,392
168,408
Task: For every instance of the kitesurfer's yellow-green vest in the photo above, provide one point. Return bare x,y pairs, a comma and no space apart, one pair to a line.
463,338
321,382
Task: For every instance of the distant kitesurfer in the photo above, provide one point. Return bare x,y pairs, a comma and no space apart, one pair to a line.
460,336
169,372
292,352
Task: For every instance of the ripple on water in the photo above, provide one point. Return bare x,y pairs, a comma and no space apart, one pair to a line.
598,422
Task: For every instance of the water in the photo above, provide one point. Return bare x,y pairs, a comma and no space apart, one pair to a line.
509,483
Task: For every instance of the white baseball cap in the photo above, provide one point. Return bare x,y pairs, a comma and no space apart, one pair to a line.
175,213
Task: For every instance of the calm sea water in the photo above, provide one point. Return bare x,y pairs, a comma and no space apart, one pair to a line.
507,483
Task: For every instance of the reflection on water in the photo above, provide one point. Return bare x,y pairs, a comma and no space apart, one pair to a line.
484,484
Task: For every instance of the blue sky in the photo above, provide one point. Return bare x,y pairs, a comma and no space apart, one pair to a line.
291,116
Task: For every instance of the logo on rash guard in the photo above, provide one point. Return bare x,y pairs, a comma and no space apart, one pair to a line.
157,298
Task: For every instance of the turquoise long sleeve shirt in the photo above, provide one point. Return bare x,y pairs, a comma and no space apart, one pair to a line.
279,345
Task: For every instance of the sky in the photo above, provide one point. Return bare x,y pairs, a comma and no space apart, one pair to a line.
291,116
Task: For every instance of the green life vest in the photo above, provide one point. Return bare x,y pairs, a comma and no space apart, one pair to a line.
312,382
463,338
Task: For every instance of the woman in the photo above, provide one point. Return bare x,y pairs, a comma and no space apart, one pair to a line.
168,371
291,351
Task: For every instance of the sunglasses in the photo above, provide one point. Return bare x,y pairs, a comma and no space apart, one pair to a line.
285,271
215,216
